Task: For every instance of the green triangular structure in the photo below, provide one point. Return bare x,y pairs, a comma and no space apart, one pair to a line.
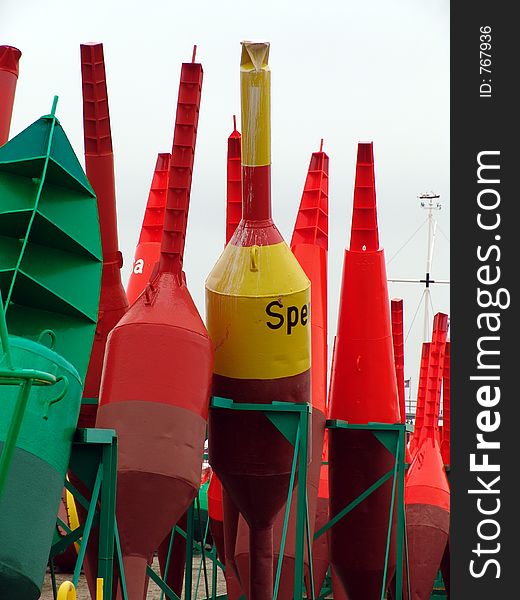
50,246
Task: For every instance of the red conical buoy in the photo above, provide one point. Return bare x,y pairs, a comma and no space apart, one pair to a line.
427,493
363,389
157,377
9,58
148,249
262,351
309,245
446,412
421,397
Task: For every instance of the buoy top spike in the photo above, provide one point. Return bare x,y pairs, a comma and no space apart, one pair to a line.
321,145
255,56
364,234
234,122
9,57
194,53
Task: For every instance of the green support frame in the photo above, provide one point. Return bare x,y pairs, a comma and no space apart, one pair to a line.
393,438
94,461
293,421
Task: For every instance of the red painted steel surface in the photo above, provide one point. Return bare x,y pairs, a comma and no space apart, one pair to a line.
234,182
9,58
99,163
363,389
148,248
157,377
427,493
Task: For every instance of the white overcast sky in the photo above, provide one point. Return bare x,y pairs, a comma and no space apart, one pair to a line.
343,70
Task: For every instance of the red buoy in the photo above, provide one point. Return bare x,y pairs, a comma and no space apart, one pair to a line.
148,249
157,377
421,397
99,166
427,492
9,59
363,389
309,245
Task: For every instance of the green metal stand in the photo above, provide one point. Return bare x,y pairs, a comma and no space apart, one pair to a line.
292,420
94,461
393,438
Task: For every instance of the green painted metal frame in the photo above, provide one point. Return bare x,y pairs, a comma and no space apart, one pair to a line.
94,461
393,437
25,378
292,420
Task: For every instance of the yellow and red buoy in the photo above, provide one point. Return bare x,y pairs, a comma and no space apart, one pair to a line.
148,249
258,316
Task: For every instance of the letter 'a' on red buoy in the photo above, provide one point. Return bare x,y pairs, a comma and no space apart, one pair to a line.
99,166
427,492
309,245
363,389
9,59
148,250
157,377
257,307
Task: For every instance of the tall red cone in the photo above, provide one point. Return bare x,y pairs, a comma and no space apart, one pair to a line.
427,492
363,389
309,245
9,59
421,398
148,248
99,163
157,377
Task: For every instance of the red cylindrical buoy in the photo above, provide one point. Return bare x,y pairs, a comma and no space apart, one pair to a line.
363,389
99,164
427,492
9,58
421,397
309,245
258,315
157,376
148,249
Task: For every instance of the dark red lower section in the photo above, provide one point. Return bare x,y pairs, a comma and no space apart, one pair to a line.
445,569
427,529
320,547
175,575
231,516
358,540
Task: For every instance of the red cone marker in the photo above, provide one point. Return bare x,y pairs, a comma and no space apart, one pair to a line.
9,58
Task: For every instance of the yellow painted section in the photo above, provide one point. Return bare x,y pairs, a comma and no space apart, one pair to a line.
99,588
258,313
67,591
72,514
255,88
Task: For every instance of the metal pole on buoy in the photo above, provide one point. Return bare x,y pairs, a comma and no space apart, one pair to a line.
258,303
